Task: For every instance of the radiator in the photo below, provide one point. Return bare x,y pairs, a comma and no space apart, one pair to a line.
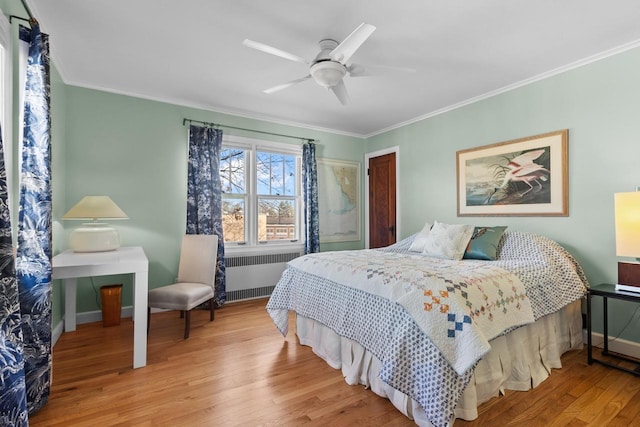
254,276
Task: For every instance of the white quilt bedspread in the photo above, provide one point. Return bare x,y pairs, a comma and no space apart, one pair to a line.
459,305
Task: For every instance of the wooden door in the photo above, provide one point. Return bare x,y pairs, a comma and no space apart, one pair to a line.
382,200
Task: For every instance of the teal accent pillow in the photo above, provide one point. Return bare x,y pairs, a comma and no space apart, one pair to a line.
484,243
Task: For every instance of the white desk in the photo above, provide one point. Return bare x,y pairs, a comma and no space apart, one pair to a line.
70,265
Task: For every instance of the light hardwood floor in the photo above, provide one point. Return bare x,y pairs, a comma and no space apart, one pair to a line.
239,371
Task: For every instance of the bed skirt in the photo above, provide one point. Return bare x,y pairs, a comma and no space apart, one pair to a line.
519,360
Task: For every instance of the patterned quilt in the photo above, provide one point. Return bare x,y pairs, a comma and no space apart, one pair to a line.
459,305
428,320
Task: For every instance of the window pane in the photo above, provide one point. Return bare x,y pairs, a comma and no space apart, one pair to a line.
233,220
276,219
276,174
232,170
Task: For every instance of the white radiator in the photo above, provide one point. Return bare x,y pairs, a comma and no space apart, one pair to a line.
255,276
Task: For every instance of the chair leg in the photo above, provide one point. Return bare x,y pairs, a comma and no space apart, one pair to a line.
187,324
182,314
148,319
211,304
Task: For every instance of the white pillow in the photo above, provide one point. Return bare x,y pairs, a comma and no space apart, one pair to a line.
421,238
448,240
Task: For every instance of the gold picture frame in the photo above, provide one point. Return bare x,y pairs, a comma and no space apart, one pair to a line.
522,177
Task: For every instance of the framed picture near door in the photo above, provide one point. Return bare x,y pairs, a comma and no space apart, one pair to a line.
338,200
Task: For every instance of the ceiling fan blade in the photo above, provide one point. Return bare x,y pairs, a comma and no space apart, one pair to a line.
273,51
286,85
359,70
348,47
340,91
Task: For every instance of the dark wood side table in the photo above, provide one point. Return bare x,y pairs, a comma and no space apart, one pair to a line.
607,291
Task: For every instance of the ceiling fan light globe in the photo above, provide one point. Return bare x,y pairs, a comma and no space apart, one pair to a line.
328,73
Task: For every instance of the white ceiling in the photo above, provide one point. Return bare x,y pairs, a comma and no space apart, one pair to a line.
189,52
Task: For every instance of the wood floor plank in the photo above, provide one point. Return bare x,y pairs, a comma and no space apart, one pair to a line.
239,371
629,414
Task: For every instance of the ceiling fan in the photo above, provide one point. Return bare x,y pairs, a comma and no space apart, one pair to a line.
329,66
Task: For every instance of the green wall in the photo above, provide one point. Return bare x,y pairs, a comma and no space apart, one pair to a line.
599,104
135,151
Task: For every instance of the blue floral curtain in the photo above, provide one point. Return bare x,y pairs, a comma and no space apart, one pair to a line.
13,396
33,260
310,184
204,194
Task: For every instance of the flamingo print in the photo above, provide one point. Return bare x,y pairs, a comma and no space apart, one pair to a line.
522,168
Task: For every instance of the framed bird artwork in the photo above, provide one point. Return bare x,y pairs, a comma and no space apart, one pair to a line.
522,177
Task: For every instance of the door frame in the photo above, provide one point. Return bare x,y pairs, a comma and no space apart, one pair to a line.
367,156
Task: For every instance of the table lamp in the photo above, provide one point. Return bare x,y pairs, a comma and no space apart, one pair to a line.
94,236
627,213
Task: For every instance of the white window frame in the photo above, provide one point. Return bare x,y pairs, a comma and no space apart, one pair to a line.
252,146
6,109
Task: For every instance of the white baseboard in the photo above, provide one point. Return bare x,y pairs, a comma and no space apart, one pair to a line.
616,345
96,316
56,332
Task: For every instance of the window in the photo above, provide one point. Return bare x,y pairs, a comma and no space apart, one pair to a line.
5,82
6,101
261,185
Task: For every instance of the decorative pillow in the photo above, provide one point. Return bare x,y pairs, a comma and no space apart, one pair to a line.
484,243
448,240
421,238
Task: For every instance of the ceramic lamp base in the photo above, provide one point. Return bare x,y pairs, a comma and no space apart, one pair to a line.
94,237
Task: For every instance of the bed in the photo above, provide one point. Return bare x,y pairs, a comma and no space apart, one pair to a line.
437,335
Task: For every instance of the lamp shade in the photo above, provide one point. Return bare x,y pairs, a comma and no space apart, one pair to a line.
627,212
94,208
95,236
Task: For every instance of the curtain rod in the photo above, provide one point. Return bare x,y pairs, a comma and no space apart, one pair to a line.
12,17
184,122
26,7
31,19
